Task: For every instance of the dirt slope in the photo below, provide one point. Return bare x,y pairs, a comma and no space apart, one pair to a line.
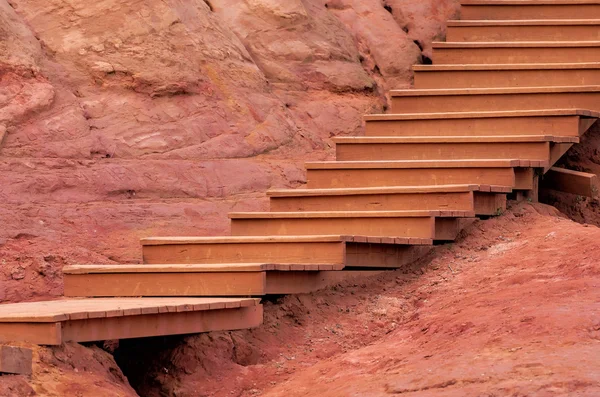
511,309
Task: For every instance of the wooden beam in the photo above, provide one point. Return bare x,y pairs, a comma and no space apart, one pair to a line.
227,283
162,324
15,360
575,182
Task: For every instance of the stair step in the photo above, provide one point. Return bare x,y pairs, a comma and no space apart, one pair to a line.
529,9
354,174
86,320
565,122
523,30
454,148
444,197
348,251
516,52
496,99
419,224
199,280
517,75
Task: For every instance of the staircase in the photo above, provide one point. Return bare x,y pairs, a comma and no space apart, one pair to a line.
514,87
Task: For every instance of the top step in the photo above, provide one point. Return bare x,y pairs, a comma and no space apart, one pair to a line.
529,9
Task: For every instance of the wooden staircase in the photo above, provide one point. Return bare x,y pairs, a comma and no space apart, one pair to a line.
514,87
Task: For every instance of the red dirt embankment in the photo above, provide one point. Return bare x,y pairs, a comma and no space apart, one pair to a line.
511,309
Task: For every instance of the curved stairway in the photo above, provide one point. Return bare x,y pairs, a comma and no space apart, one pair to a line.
515,86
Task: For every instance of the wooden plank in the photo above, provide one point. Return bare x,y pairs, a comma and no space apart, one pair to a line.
243,239
483,78
446,125
166,268
177,323
331,252
574,182
374,226
441,151
370,191
462,103
15,360
374,177
461,200
41,333
523,10
412,164
165,284
529,30
516,52
48,311
336,215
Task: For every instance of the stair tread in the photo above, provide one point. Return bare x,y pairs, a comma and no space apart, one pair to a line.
508,66
479,115
67,309
482,163
385,190
525,22
514,44
350,214
270,239
196,268
457,139
494,91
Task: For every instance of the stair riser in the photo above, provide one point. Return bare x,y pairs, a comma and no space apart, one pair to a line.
349,178
506,78
480,56
522,33
443,151
524,12
295,253
421,227
489,102
456,201
165,284
557,125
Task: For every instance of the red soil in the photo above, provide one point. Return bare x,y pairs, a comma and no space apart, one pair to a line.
511,309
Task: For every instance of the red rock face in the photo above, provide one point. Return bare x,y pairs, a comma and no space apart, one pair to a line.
124,119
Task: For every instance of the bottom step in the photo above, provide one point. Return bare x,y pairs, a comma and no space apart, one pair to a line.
86,320
200,280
